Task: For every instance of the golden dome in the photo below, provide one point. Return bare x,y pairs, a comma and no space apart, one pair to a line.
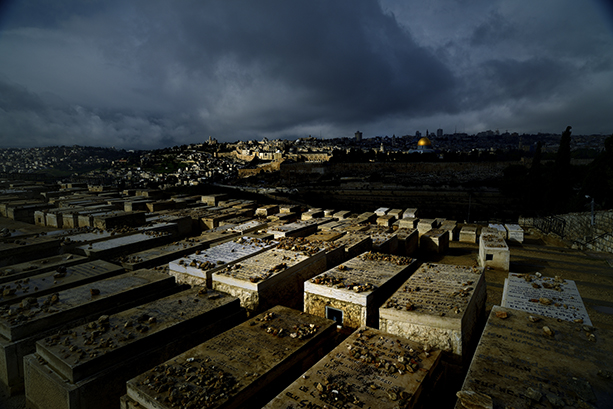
424,142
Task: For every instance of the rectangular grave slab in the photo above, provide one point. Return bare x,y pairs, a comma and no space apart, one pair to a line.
435,241
397,213
352,293
382,211
502,231
425,225
19,250
312,214
122,245
355,244
408,223
299,228
53,281
283,217
365,218
468,234
197,269
493,252
267,210
39,266
257,360
440,306
273,277
548,296
384,241
21,325
452,227
289,208
158,256
353,375
156,332
250,226
410,213
540,362
342,214
515,233
408,240
385,221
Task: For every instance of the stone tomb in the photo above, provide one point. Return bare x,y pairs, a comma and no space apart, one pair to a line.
525,361
53,281
158,256
502,231
438,306
551,297
19,250
468,234
88,366
267,210
382,211
435,241
244,367
354,244
493,252
22,324
248,227
452,227
198,268
352,293
425,225
300,228
407,241
408,223
515,233
122,245
274,277
328,240
370,369
35,267
384,240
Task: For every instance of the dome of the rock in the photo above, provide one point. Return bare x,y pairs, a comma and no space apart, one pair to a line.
424,142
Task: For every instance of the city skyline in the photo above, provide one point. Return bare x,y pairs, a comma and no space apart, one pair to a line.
153,74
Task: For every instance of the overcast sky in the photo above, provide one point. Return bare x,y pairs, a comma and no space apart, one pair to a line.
149,74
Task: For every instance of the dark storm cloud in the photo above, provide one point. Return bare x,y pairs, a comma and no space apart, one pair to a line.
145,73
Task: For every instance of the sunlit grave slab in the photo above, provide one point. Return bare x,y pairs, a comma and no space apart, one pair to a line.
468,234
370,369
22,324
198,268
440,306
244,367
530,361
276,276
494,252
88,366
352,292
514,233
549,296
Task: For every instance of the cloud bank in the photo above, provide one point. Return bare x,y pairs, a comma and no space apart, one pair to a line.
146,74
